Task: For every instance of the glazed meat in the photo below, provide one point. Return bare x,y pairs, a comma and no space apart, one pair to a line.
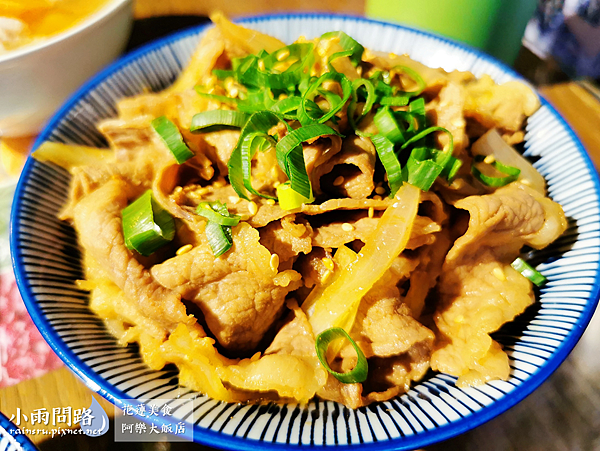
240,295
479,289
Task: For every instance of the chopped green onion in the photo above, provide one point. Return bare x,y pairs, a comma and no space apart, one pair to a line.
290,155
451,168
416,78
511,172
256,100
207,210
369,101
252,142
218,225
382,88
286,106
394,100
170,135
223,74
146,225
290,199
420,170
249,74
385,150
222,99
349,45
443,158
226,118
417,109
388,126
529,271
260,122
428,131
356,375
219,238
492,181
336,55
312,90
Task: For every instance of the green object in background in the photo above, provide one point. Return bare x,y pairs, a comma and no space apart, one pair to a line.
495,26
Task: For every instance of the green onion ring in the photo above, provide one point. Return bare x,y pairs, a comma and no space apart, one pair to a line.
356,375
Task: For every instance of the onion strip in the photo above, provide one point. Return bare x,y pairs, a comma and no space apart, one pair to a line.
337,305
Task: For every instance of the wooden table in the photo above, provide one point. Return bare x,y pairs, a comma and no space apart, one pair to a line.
564,414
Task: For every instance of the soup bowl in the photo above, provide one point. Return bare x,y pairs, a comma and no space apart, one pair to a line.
36,79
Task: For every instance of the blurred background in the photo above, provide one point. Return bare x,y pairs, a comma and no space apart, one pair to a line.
555,44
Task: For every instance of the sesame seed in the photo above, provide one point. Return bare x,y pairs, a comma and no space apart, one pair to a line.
276,184
459,319
499,274
371,212
347,227
380,190
338,181
525,182
489,159
261,65
177,190
219,183
212,80
325,277
252,208
234,199
270,201
392,55
328,263
283,55
274,262
282,96
457,184
184,249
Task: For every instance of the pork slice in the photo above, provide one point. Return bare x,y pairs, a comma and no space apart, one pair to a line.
128,137
140,160
239,293
434,78
447,112
479,290
97,219
287,237
317,156
296,336
384,325
504,106
355,166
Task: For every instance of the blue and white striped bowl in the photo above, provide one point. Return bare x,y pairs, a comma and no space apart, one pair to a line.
47,262
10,440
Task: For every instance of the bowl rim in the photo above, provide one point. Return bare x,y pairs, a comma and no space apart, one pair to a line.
213,438
90,21
21,439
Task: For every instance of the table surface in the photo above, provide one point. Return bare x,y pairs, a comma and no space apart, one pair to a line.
563,414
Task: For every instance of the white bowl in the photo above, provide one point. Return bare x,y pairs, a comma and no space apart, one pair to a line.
36,79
